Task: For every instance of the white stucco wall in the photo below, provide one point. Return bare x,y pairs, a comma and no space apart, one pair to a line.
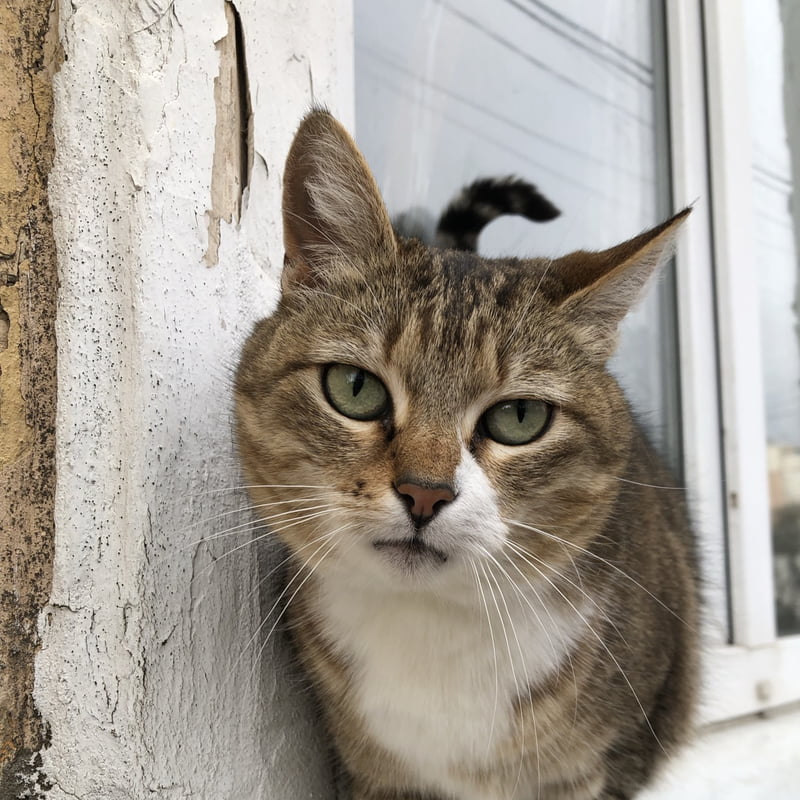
145,677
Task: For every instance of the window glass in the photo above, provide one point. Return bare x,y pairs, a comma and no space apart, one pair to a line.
773,92
569,96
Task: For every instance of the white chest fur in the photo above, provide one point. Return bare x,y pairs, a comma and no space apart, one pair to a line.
436,679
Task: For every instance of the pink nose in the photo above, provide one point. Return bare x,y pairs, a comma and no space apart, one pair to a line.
424,501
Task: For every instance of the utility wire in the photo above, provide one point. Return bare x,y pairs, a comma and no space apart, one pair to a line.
486,111
471,21
590,34
403,92
636,74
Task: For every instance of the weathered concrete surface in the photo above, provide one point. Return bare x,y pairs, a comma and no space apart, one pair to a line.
27,375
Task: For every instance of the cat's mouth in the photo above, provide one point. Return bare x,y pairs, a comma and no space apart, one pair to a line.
410,552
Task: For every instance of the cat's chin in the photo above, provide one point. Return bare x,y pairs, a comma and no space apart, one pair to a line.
410,555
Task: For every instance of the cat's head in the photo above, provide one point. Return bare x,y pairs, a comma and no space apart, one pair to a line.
408,412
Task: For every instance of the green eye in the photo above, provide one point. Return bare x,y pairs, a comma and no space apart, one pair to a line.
517,421
354,392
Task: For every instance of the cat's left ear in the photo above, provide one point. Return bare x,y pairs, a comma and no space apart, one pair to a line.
333,213
601,288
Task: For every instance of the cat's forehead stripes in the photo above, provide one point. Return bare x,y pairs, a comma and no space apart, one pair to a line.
476,326
458,334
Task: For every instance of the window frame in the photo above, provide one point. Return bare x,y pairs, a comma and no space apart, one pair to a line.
723,405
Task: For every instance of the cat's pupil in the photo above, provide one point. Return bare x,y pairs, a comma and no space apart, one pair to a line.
354,392
358,382
522,406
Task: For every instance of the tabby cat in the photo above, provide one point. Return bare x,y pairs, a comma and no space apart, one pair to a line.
492,592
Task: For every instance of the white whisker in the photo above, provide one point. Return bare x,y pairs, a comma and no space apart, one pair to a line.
257,486
604,561
270,532
650,485
264,621
547,633
254,507
293,595
606,648
527,686
260,519
521,551
494,656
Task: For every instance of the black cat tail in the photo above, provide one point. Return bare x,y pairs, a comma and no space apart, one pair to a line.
484,200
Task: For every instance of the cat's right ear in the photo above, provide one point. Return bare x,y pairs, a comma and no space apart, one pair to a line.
333,212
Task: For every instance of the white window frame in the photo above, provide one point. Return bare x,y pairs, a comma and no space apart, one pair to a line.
722,390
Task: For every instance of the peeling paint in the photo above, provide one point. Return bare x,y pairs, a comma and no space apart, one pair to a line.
233,135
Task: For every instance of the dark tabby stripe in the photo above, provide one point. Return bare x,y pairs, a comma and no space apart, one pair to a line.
484,200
